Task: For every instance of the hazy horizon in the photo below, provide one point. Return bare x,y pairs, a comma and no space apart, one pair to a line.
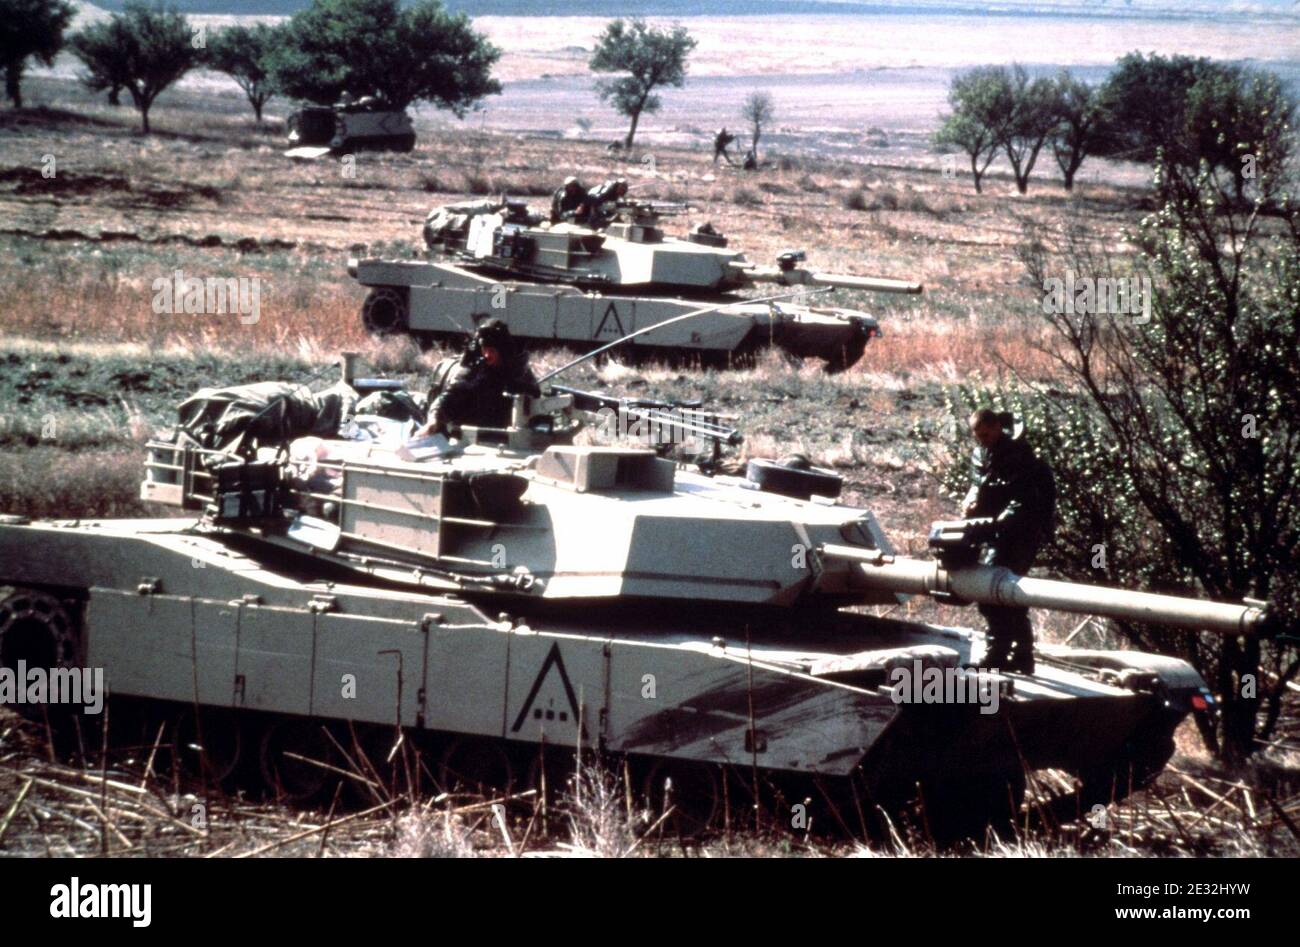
686,9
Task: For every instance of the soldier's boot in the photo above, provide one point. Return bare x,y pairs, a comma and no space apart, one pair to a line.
997,651
1022,641
1010,639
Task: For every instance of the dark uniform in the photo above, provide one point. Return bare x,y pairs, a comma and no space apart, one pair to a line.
1018,491
566,200
599,203
477,392
720,142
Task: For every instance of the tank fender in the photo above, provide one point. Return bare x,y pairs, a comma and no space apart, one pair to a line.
1177,681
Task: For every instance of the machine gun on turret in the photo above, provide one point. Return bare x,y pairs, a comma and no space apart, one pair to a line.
637,208
666,424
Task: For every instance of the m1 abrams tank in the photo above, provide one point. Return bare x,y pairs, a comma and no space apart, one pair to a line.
511,595
583,284
364,125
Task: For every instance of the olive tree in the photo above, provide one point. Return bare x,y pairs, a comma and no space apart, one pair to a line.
983,106
1034,116
143,49
30,28
647,57
378,47
1184,111
1079,126
244,53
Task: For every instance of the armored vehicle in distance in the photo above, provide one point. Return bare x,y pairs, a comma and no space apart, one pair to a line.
613,272
364,125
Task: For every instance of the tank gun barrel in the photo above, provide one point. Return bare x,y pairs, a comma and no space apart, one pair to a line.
996,585
785,273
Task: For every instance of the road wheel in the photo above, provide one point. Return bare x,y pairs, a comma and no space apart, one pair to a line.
1136,768
848,355
692,791
386,310
212,739
37,630
967,810
550,770
478,767
288,757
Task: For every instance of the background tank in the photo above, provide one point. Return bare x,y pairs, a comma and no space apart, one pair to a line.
512,594
584,285
365,125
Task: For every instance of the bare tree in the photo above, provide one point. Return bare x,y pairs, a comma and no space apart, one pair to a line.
758,110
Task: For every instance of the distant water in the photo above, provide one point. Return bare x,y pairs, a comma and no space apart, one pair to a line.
1171,9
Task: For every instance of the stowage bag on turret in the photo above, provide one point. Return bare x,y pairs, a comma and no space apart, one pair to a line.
268,414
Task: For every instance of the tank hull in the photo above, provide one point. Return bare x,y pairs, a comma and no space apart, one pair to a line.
440,300
217,620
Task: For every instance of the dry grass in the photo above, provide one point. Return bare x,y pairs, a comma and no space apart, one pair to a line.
54,482
313,320
122,808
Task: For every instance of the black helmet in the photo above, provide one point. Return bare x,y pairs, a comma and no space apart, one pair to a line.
492,332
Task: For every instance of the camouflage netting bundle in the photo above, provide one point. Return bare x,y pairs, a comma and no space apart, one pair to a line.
450,223
268,413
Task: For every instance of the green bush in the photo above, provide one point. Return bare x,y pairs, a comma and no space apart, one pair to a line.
1176,444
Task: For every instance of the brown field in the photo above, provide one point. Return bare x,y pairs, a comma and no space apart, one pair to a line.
209,192
88,369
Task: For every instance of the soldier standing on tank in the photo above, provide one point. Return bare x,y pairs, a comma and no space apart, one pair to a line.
720,142
1016,491
566,200
477,390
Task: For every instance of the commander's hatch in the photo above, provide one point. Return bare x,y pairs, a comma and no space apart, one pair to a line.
606,469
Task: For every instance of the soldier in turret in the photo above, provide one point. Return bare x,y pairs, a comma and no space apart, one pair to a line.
1015,490
567,199
477,389
600,202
